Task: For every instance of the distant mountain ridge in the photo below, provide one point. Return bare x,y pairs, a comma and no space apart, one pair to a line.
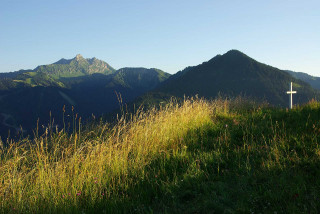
50,75
312,80
90,85
78,66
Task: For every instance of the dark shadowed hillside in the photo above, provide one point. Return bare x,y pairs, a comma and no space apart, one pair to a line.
233,74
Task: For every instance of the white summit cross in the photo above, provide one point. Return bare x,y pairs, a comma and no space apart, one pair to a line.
290,96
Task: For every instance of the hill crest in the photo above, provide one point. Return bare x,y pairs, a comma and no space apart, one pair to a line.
232,74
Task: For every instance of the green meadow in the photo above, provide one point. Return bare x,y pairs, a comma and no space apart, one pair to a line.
195,156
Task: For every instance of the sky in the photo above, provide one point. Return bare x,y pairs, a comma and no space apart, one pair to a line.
165,34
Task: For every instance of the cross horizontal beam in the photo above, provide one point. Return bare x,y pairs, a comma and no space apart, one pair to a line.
291,92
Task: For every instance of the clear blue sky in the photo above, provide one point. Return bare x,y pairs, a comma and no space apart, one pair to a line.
166,34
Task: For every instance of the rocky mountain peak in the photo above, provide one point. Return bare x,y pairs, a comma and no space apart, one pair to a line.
78,57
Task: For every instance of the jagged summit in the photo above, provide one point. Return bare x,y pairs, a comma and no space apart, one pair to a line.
77,66
78,57
64,61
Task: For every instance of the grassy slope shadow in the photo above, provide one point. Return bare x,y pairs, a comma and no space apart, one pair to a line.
239,164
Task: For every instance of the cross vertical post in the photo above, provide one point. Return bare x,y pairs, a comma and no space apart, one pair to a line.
290,95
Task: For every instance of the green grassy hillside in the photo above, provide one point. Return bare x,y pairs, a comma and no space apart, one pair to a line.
192,157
